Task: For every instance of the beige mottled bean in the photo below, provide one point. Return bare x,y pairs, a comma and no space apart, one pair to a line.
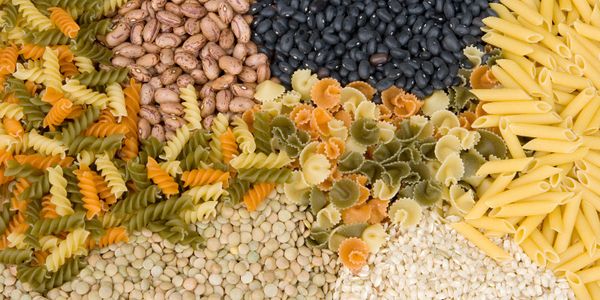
180,31
147,60
173,122
240,6
212,5
240,51
167,57
263,72
226,13
151,48
158,132
213,16
192,26
240,29
230,65
118,35
146,94
223,82
158,4
186,60
168,40
247,75
199,76
210,29
155,83
165,95
121,61
151,30
240,104
139,73
129,6
207,121
174,8
252,48
212,50
170,75
208,106
194,43
192,9
168,18
136,34
172,108
242,90
227,39
150,113
223,98
185,80
136,15
206,90
144,128
211,68
160,67
256,60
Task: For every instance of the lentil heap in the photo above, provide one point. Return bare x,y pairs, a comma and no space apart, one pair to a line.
415,45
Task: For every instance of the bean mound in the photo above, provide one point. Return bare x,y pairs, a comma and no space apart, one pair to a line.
413,44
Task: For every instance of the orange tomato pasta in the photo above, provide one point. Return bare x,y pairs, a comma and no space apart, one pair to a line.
104,129
13,127
63,21
161,178
255,196
326,93
89,192
353,253
200,177
32,51
228,145
58,113
48,208
8,59
113,235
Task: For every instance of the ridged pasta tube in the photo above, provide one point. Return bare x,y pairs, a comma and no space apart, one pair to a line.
261,160
191,108
80,94
200,213
176,143
44,145
111,174
74,243
58,190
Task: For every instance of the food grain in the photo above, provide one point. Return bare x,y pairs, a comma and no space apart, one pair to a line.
170,44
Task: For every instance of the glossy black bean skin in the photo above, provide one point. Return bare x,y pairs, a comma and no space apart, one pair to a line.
414,44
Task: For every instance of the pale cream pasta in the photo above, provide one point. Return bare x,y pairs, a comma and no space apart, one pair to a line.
513,30
481,241
501,94
517,107
505,166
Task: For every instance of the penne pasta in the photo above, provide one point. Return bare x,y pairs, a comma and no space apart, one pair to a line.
518,193
504,78
513,30
533,251
502,94
555,219
511,140
523,78
583,122
543,244
586,30
578,287
493,224
527,226
517,107
499,184
576,105
481,241
537,174
507,43
586,234
569,80
539,119
504,166
524,11
555,146
523,208
486,121
569,214
542,131
556,159
589,275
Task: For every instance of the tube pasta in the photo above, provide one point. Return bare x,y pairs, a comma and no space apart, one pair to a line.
542,131
507,43
514,30
481,241
501,94
504,166
517,107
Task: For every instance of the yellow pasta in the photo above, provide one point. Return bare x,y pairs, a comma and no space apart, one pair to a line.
507,43
517,107
481,241
504,166
501,94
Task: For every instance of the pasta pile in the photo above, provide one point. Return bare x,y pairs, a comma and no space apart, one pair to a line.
543,189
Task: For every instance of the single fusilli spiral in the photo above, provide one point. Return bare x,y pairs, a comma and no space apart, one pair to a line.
33,72
43,162
199,213
111,174
261,160
32,51
89,192
8,59
69,270
243,136
198,139
78,125
48,208
69,69
108,144
11,110
102,77
64,21
14,256
172,167
278,176
36,190
46,145
255,196
137,173
218,127
104,191
210,192
191,107
67,248
54,226
262,132
84,64
47,37
161,178
35,19
90,31
136,201
108,6
10,16
158,211
80,94
175,144
199,177
93,51
58,190
116,100
193,160
58,113
113,235
13,127
52,76
32,275
104,129
228,145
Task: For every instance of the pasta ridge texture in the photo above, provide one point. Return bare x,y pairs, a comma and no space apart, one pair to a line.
257,194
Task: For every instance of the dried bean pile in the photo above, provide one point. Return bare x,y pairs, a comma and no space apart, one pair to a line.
170,44
413,44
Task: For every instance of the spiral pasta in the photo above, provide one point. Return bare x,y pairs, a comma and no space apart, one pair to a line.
176,143
34,18
113,235
218,127
209,192
228,146
84,64
111,174
199,177
255,196
104,129
58,190
191,107
11,110
161,178
33,72
116,100
74,243
200,213
78,125
63,21
45,227
108,144
89,192
48,208
243,136
158,211
80,94
52,77
13,127
137,200
14,256
44,145
8,59
261,160
58,113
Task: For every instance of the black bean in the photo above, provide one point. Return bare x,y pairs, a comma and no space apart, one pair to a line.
395,6
427,67
363,69
407,69
421,79
331,39
349,23
384,15
384,84
451,43
378,59
339,50
268,12
349,64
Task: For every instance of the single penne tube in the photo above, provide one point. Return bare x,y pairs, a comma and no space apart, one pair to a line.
513,30
569,66
543,56
543,131
589,181
493,224
591,215
588,69
555,197
549,252
577,104
590,45
545,83
527,226
584,9
499,184
569,80
511,140
569,215
584,119
503,166
525,64
518,193
507,43
555,159
524,78
504,78
565,5
587,30
592,142
523,208
524,11
494,234
594,125
517,107
550,40
586,234
592,198
533,252
572,16
503,12
546,10
501,94
578,263
573,251
555,220
555,146
590,275
578,287
594,289
563,98
589,168
486,121
483,243
548,233
534,175
595,16
593,157
539,119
